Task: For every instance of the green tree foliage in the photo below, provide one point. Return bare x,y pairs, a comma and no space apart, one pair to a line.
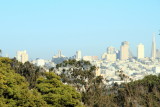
81,74
28,70
14,89
57,94
141,93
47,91
25,85
0,52
145,93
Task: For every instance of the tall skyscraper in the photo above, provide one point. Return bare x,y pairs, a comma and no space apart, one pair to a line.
153,53
124,55
78,55
140,51
22,56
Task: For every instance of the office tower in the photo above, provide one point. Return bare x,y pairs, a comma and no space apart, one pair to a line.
22,56
78,55
124,55
153,53
140,51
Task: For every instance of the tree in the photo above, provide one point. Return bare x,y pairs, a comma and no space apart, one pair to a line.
14,89
28,70
55,93
0,52
81,74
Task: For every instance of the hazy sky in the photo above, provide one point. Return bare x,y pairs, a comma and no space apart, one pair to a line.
44,26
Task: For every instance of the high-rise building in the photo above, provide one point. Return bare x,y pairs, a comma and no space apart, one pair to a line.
110,55
153,53
124,55
78,55
140,51
22,56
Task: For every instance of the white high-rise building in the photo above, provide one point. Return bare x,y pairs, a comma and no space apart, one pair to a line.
153,53
22,56
124,55
78,55
140,51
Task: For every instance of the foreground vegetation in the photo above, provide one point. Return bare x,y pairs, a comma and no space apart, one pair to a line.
26,85
17,89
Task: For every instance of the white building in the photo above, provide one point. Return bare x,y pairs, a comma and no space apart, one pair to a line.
110,55
156,69
40,62
124,51
140,51
90,58
78,55
22,56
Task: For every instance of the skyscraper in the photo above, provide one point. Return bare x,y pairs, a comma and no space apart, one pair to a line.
124,55
22,56
153,53
140,51
78,55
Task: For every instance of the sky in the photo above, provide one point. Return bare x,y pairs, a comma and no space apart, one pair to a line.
42,27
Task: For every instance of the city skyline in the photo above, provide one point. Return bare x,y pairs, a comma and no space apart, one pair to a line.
139,51
89,26
111,54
